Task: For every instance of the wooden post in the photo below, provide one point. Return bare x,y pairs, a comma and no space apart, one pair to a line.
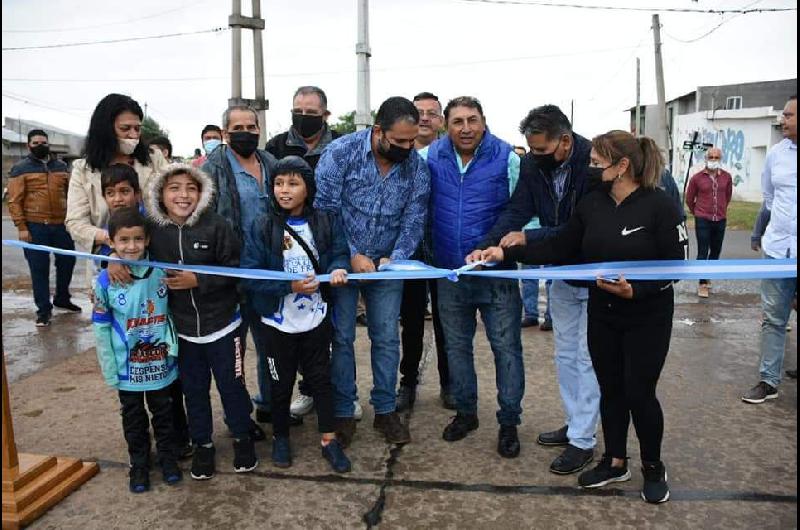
32,484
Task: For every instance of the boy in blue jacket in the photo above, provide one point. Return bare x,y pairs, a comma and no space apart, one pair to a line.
137,350
294,237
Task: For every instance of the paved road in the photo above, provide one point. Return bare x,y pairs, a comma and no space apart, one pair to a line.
731,465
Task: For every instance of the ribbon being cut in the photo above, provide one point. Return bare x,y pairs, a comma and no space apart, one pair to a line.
741,269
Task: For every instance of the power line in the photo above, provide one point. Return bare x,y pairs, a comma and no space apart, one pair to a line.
114,41
712,30
329,72
27,101
106,24
534,3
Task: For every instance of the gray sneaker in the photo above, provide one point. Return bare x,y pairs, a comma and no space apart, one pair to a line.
760,393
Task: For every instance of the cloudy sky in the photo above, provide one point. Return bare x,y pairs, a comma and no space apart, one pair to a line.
512,57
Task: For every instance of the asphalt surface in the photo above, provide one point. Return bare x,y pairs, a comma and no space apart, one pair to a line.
731,465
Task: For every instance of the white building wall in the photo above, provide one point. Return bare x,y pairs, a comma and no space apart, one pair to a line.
744,136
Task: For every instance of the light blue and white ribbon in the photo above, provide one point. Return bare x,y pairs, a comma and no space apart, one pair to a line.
742,269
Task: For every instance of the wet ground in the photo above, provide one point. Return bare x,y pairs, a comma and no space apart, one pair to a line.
731,465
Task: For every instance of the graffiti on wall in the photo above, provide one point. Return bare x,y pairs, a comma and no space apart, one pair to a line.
735,158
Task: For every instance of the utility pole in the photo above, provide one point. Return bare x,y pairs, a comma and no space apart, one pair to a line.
572,112
663,133
636,127
255,23
363,117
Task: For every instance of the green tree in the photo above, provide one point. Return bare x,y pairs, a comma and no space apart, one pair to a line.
346,123
151,128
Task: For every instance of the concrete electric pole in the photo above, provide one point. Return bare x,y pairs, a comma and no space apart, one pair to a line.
637,126
663,139
236,22
363,117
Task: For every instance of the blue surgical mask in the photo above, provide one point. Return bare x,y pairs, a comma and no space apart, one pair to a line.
210,145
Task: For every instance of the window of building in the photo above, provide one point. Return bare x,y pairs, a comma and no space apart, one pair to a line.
733,103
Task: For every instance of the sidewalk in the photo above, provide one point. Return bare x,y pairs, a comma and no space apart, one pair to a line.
731,465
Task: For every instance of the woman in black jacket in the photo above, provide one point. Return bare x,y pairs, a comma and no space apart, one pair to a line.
626,218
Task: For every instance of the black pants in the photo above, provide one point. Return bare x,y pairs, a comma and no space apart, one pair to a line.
223,358
309,351
710,235
135,425
628,354
179,421
412,319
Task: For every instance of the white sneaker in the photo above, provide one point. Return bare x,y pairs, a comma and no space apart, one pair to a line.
358,412
301,405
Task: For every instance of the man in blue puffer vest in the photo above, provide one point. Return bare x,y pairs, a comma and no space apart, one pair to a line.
472,175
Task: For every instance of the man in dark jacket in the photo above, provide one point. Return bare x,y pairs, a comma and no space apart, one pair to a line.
37,203
309,133
240,172
552,181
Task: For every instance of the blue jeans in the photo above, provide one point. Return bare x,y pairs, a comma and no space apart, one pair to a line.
52,235
382,299
500,306
710,235
530,297
250,320
580,393
223,358
776,303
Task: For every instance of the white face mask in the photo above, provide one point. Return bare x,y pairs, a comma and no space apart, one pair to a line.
713,165
127,145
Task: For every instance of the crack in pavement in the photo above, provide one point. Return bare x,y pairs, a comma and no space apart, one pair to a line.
523,489
373,516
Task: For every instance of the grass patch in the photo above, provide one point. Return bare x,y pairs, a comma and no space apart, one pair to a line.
741,215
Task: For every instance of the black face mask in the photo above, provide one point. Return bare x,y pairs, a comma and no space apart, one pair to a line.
394,153
546,162
306,124
243,142
40,151
594,177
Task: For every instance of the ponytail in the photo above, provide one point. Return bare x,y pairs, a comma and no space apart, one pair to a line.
652,163
646,162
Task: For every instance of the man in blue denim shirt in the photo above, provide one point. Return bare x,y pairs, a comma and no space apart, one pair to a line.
240,171
380,186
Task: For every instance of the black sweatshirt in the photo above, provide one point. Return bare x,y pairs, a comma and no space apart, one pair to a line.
645,226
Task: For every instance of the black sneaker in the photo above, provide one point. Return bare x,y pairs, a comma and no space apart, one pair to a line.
655,489
604,473
406,396
42,321
361,320
244,455
139,479
529,322
459,426
392,428
546,325
67,306
554,438
203,465
508,441
791,374
572,460
760,393
170,472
